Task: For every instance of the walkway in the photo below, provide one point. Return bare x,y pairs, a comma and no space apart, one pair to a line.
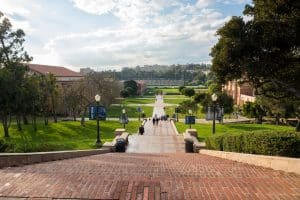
159,138
174,176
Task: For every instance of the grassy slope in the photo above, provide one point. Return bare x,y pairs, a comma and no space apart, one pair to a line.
205,130
63,135
115,111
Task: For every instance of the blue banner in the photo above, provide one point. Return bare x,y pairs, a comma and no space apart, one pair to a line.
93,110
190,119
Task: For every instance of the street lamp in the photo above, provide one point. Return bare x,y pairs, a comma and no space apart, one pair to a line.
214,98
98,141
190,113
139,111
176,110
124,117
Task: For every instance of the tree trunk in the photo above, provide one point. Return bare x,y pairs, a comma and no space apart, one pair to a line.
5,126
25,120
34,123
18,119
277,122
298,125
53,111
46,119
83,118
74,117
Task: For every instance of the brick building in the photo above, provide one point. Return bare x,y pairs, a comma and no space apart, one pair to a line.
62,74
240,92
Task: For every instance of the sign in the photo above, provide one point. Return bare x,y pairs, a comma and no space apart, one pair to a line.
139,109
190,119
93,110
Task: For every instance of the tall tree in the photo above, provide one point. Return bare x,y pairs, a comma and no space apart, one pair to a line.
12,54
264,51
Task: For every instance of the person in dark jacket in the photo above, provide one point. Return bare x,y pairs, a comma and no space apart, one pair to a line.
141,130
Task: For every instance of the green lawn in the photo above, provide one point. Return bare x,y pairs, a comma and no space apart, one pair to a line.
205,130
175,100
63,135
133,100
116,111
170,110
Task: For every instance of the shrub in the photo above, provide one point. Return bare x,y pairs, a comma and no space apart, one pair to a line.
262,142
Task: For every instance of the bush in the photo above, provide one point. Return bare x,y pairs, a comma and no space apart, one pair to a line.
263,142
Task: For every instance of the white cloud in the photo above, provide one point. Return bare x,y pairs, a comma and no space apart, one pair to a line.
144,32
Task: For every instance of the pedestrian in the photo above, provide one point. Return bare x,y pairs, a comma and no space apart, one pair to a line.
153,120
157,120
141,129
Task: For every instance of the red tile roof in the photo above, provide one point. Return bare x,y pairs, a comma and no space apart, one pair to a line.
55,70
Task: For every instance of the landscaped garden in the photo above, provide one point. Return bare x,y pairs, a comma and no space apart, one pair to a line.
67,135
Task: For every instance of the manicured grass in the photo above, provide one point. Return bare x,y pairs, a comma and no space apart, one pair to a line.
116,111
138,101
175,100
175,96
170,110
205,130
62,135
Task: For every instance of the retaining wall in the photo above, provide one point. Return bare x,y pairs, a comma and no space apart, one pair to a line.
275,162
19,159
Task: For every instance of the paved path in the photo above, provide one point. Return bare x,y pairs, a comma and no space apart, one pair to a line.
145,176
159,138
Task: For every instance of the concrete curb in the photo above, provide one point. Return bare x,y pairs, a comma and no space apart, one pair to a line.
19,159
274,162
174,127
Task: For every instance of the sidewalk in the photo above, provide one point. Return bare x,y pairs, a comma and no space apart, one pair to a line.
159,138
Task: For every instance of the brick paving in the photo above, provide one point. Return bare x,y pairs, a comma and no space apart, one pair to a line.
147,176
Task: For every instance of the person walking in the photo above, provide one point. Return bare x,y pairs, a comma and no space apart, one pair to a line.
141,130
153,121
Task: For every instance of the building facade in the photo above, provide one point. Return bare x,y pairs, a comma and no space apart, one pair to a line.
240,92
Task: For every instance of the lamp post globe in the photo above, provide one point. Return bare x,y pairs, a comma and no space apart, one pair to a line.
98,141
214,98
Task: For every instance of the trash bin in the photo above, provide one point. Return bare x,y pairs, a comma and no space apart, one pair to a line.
189,146
120,145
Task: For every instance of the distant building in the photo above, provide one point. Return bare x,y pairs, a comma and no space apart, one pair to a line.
141,87
62,74
85,71
240,92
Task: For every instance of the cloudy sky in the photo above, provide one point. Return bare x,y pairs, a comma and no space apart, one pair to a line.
105,34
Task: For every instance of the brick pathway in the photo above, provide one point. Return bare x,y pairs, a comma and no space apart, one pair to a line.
147,176
159,138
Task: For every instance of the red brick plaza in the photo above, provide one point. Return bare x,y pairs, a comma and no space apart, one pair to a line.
147,176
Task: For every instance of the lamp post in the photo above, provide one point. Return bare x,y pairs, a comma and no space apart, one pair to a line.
190,113
176,110
214,98
139,111
98,98
124,117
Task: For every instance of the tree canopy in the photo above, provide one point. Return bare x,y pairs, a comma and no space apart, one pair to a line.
263,50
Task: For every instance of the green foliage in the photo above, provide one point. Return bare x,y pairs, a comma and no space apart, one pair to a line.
251,109
275,143
263,50
188,92
124,93
131,87
181,88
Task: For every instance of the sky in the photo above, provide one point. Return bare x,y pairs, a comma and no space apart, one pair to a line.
110,34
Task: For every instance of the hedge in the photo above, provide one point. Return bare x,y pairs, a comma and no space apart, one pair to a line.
259,142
